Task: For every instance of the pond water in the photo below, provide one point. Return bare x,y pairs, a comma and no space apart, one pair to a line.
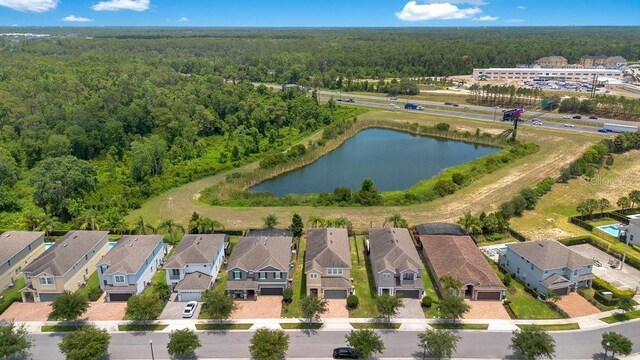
395,160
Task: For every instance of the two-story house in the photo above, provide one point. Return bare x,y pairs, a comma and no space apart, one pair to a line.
65,266
195,264
259,265
633,232
547,265
17,249
327,263
129,266
397,267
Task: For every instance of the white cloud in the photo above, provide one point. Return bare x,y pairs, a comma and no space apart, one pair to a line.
469,2
36,6
73,18
520,7
413,11
486,18
183,19
115,5
515,20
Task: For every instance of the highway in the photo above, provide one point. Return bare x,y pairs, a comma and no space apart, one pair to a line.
399,344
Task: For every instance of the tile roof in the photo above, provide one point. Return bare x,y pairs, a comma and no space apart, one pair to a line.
12,242
335,282
196,249
549,254
393,249
327,248
129,253
65,253
460,258
256,253
195,281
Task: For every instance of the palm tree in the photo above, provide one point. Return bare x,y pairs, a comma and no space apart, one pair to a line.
634,196
396,220
47,224
552,296
450,284
624,203
315,221
142,228
470,223
329,222
171,227
270,221
340,222
206,225
603,204
89,220
30,221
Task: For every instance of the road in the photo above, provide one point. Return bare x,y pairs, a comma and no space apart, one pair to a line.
399,344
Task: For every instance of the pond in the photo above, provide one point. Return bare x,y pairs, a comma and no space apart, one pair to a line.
394,160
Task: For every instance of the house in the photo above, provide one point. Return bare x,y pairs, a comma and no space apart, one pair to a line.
65,266
259,265
459,257
552,62
129,266
547,265
18,249
633,232
327,263
195,264
397,267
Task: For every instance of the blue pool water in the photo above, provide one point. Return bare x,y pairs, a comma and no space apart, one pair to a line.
610,229
48,245
636,216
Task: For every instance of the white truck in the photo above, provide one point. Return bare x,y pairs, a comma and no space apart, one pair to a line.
619,128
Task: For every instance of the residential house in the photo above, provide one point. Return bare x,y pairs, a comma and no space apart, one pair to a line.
65,266
633,232
259,265
327,263
547,265
195,264
129,266
552,62
459,257
439,228
18,249
396,264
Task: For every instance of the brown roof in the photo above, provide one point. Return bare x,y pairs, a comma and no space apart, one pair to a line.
460,258
549,254
12,242
129,253
393,249
195,281
196,249
327,248
256,253
242,285
335,282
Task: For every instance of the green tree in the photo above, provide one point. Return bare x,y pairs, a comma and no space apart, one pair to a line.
470,224
616,343
587,207
183,343
147,157
266,344
365,342
171,227
297,225
634,196
9,170
315,221
626,303
56,146
396,220
450,285
89,220
602,205
388,305
368,195
143,307
218,305
69,306
162,290
551,296
532,343
270,221
453,307
624,203
312,307
142,228
86,343
439,344
15,341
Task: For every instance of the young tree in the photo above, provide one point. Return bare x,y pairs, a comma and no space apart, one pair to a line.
143,228
312,307
365,342
624,203
86,343
616,343
162,289
533,343
602,205
183,343
552,296
15,341
396,220
453,307
297,225
439,344
450,285
626,303
315,221
388,305
266,344
270,221
69,306
218,305
470,224
143,307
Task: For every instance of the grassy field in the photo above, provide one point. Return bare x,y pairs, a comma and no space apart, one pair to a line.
299,283
11,295
557,148
223,327
362,280
552,327
459,326
622,317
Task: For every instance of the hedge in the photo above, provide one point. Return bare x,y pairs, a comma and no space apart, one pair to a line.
575,220
516,235
603,285
604,301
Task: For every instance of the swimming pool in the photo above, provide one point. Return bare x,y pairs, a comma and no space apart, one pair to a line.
634,216
48,245
612,230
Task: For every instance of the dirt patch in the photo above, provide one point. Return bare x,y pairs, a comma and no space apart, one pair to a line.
20,311
575,305
264,307
337,309
493,310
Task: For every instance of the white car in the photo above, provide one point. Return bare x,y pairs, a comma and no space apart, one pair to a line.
190,309
569,125
566,117
536,122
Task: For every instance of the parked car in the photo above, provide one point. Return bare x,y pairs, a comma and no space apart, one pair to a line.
536,122
344,353
603,130
393,98
455,105
447,103
350,101
566,117
190,309
577,117
569,125
593,117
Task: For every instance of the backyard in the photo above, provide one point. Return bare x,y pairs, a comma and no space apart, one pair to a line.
362,280
299,283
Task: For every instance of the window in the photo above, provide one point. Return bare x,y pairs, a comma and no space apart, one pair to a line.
86,257
332,271
46,280
236,275
386,276
313,276
119,278
263,275
9,262
407,276
518,271
277,275
175,272
531,266
29,247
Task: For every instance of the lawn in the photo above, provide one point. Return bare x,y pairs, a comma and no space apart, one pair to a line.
92,289
138,327
375,325
301,326
299,283
223,327
60,328
459,326
158,277
363,281
552,327
622,317
11,295
429,289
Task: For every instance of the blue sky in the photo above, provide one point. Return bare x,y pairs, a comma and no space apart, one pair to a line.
316,13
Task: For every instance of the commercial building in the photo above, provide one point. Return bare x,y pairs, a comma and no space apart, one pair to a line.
560,74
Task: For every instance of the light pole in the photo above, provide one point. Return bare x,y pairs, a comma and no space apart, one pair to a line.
624,256
495,109
151,345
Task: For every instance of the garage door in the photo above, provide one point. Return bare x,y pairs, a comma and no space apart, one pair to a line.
48,297
563,291
335,294
489,295
408,294
189,296
271,291
119,297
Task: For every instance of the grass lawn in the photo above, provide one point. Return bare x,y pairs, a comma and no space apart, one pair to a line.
301,326
60,328
362,280
429,289
11,295
589,294
459,326
622,317
223,327
160,276
603,221
552,327
299,283
373,326
481,241
136,327
92,290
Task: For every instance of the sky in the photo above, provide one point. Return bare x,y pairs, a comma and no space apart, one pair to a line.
319,13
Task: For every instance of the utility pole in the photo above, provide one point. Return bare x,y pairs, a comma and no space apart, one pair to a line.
151,345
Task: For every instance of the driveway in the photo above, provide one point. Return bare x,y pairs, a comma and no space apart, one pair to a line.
575,305
627,278
264,307
337,309
20,311
411,310
174,309
486,310
102,310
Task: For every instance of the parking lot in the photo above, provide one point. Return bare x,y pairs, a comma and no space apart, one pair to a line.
627,278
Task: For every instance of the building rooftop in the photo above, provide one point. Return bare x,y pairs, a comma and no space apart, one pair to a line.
259,252
393,249
129,253
440,228
12,242
327,248
195,281
549,254
552,69
196,249
269,232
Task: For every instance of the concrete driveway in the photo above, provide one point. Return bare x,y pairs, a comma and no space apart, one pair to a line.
264,307
174,309
20,311
627,278
575,305
337,309
486,310
411,310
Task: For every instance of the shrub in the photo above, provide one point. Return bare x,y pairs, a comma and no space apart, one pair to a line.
426,302
352,301
458,179
443,126
507,279
287,295
444,187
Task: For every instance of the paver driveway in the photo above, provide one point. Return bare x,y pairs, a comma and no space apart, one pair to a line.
486,310
411,310
337,309
103,310
264,307
575,305
20,311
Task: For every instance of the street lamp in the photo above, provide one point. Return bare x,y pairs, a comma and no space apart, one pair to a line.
151,345
626,247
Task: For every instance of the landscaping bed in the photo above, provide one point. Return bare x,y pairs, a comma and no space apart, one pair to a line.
301,326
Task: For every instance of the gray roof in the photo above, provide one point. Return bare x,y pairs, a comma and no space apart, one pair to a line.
256,253
65,253
129,254
440,228
12,242
393,249
195,281
549,254
270,232
552,58
327,248
556,280
196,249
